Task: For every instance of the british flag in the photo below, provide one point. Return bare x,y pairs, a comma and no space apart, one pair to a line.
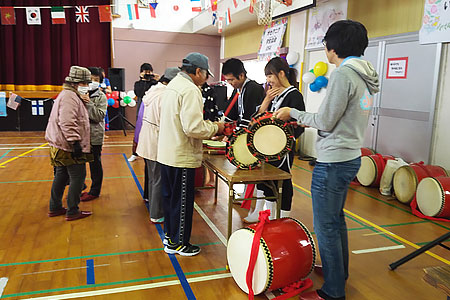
82,14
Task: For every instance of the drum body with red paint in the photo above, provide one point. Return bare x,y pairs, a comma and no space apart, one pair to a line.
371,170
433,196
286,254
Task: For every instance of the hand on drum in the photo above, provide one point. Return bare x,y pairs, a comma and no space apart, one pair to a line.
283,113
221,126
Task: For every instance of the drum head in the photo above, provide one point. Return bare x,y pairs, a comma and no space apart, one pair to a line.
367,173
430,196
238,152
216,145
405,184
269,139
238,256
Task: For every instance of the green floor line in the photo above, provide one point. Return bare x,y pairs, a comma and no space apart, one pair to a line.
94,255
47,180
109,283
382,201
424,243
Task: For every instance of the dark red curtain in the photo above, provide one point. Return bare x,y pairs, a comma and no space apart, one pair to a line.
38,57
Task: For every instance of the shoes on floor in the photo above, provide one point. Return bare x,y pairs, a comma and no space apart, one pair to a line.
166,240
132,158
157,221
87,197
59,212
81,215
183,250
310,296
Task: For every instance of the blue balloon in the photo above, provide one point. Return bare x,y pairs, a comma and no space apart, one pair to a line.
321,81
111,101
314,87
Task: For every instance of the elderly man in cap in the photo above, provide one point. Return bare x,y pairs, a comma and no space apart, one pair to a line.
69,138
181,132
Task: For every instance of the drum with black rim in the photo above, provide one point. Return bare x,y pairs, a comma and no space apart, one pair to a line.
238,153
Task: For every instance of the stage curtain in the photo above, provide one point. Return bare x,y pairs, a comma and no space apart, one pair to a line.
38,57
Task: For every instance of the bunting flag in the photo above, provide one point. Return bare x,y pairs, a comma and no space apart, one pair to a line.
214,5
37,107
14,101
58,15
153,9
235,3
104,13
82,14
251,7
214,18
133,12
33,15
196,5
3,112
228,16
220,25
8,16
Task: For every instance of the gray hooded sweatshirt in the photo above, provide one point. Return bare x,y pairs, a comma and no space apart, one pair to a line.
344,113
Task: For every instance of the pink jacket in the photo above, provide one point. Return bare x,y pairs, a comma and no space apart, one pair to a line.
68,122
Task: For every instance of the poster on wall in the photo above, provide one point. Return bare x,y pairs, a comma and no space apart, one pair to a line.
435,22
397,68
272,39
321,17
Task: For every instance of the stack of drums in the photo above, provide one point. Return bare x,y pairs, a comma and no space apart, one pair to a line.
433,197
407,178
372,167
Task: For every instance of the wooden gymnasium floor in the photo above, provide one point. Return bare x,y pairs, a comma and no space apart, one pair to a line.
117,253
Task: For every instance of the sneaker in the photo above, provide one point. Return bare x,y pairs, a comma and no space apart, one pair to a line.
59,212
87,197
166,240
132,158
157,221
183,250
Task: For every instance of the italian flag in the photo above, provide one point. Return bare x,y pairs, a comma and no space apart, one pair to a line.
58,15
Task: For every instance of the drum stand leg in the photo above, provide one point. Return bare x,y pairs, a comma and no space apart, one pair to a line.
216,184
230,207
279,197
421,250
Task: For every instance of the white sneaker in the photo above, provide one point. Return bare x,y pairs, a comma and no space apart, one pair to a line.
132,158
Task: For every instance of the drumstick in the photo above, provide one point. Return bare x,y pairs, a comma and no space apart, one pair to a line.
227,111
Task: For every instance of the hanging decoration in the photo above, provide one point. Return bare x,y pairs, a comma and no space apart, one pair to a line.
133,12
8,16
214,18
214,5
37,107
58,15
196,5
153,9
33,15
14,101
104,13
81,14
220,25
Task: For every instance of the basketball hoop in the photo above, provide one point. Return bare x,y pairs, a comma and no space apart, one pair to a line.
263,10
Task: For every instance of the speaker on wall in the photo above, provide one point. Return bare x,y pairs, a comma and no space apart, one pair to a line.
116,77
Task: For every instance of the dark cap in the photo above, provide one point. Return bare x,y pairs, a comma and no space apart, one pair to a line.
170,73
195,59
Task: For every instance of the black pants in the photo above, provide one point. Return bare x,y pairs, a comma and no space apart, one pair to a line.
75,174
288,191
96,171
178,202
146,180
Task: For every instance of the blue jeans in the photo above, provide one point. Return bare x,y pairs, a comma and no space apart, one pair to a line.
330,182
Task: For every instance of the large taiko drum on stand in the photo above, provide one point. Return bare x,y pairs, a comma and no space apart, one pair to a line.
238,153
433,196
269,138
407,178
371,170
286,254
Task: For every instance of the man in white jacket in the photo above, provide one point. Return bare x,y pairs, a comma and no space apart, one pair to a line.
182,130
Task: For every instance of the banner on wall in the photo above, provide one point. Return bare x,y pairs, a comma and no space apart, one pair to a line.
321,17
272,39
435,22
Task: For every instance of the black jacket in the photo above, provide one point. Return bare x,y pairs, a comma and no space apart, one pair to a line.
253,97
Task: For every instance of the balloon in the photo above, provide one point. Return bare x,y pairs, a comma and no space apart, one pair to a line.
111,101
132,103
122,103
314,87
122,94
320,68
127,99
312,71
115,95
108,95
292,57
308,77
116,104
131,94
321,81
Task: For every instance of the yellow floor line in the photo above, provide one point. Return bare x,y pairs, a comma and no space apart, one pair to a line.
384,230
25,153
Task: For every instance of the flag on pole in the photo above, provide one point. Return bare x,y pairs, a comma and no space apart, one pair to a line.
220,25
153,9
228,16
133,12
8,16
104,13
196,5
37,107
82,14
235,3
14,101
58,15
33,15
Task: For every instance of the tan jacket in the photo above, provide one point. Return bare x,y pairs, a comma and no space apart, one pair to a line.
68,122
182,127
148,137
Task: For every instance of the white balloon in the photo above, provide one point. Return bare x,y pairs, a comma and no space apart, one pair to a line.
292,57
308,77
122,103
122,95
132,103
131,94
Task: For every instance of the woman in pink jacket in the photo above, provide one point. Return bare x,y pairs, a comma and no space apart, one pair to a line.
68,135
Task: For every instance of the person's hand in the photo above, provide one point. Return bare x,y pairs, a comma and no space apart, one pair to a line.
85,98
221,126
157,76
77,151
283,113
272,93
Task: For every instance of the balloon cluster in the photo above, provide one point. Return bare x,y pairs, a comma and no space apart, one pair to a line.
315,77
113,99
128,99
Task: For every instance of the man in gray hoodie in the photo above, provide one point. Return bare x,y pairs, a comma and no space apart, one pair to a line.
341,122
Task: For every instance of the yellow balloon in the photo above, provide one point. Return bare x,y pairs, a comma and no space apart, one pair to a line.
320,68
